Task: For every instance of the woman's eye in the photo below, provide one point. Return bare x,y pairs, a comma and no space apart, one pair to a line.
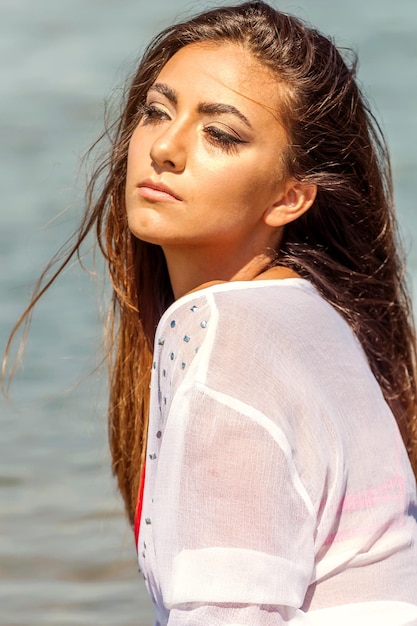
151,114
224,140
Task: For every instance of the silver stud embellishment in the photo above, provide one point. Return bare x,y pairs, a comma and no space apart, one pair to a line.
171,356
164,373
161,341
152,456
194,308
186,338
203,324
173,323
183,365
148,521
159,434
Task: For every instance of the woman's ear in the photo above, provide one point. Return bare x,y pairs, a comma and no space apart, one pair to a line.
296,200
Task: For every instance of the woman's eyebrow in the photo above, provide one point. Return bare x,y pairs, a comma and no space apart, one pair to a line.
166,91
218,108
208,108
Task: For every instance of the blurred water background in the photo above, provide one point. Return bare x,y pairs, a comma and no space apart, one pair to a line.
66,553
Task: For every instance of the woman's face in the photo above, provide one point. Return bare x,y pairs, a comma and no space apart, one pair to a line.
206,159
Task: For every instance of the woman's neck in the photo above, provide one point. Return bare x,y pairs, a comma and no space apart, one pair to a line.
186,275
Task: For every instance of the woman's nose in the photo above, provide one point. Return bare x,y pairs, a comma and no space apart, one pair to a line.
168,149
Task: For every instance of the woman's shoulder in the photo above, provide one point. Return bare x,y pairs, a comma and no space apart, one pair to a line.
250,296
254,314
259,307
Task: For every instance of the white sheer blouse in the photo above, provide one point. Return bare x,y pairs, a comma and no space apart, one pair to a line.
278,490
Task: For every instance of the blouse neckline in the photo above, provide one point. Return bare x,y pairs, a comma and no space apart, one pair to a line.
235,285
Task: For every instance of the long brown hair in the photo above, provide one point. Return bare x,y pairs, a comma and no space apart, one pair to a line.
346,244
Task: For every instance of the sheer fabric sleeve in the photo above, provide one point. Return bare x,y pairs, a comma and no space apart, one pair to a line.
235,530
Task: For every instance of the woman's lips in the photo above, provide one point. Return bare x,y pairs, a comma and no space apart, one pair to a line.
157,192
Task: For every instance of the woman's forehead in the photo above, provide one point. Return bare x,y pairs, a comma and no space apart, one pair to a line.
223,71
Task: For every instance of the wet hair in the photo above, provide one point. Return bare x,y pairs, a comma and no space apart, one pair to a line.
346,244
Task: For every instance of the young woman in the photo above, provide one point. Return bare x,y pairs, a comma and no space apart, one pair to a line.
247,220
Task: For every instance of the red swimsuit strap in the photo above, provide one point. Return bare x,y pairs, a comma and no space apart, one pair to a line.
139,504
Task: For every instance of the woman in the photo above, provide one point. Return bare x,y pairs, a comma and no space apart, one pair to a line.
247,220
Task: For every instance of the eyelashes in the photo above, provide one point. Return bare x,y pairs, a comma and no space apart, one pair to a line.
151,114
218,137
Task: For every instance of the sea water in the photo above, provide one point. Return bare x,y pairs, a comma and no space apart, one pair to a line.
66,553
